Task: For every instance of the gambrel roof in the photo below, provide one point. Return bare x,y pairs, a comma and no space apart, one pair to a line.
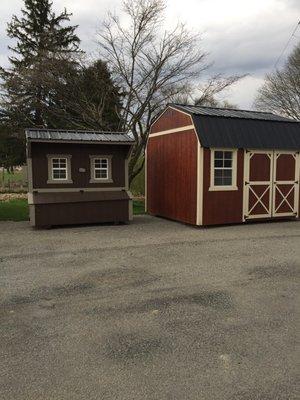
229,128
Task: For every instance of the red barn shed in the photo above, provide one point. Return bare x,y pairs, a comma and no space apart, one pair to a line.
209,166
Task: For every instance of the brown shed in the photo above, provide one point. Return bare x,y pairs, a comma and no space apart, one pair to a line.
211,166
78,177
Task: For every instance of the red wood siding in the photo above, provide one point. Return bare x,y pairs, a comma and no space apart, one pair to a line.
172,176
222,207
171,119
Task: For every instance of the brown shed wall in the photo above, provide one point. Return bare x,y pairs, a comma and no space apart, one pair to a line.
80,159
172,176
222,207
80,213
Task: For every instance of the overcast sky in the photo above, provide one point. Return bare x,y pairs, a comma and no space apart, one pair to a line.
242,36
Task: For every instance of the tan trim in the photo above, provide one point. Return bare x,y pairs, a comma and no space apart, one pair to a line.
70,190
130,210
109,169
29,174
30,198
200,153
175,130
32,215
233,186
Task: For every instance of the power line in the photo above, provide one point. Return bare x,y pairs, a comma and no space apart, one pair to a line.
286,46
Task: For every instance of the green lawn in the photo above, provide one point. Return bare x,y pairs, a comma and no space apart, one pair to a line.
137,186
14,210
17,210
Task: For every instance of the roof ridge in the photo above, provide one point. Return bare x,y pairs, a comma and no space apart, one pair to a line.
222,108
77,130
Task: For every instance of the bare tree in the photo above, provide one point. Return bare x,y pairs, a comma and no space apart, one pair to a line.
151,66
213,87
281,91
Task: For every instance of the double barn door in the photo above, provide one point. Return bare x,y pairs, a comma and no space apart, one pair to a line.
271,184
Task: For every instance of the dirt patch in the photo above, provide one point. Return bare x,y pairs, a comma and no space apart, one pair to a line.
275,271
131,347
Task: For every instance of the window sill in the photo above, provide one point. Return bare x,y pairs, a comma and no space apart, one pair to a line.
222,188
60,181
101,181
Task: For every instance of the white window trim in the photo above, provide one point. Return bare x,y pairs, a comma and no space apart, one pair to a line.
93,179
215,188
68,178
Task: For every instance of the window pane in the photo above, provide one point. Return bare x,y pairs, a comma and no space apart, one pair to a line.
219,173
227,173
227,181
101,174
59,168
218,163
219,155
228,155
218,181
227,163
59,174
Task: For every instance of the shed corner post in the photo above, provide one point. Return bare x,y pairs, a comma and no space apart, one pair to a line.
200,163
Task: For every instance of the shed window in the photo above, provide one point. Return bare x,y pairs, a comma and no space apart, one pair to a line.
223,170
59,168
101,169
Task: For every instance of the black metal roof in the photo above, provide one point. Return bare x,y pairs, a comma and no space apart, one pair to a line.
228,128
65,135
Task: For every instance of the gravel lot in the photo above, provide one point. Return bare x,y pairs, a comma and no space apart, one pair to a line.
153,310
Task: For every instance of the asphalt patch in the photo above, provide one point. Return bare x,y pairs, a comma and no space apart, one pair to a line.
131,347
220,300
103,281
275,271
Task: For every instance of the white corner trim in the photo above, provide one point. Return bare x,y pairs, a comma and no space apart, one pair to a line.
199,216
174,130
146,179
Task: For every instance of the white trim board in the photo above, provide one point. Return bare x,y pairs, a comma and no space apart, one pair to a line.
199,216
174,130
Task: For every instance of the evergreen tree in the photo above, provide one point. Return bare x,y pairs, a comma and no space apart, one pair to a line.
85,98
42,42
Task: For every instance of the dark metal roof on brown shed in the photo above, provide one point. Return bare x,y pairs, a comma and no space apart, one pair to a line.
63,135
228,128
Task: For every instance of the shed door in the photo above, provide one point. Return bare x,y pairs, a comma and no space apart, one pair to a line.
286,184
258,184
271,184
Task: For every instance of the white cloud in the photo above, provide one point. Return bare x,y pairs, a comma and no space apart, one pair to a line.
242,36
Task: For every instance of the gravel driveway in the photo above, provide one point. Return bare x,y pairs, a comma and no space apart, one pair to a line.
153,310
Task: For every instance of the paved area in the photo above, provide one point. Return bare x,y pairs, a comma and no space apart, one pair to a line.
151,310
